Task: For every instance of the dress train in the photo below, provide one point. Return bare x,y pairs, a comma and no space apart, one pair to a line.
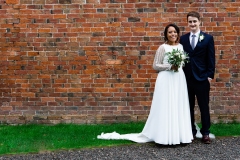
139,137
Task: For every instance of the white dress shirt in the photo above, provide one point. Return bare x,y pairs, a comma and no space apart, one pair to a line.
196,38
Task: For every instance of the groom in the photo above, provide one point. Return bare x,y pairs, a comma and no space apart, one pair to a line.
199,71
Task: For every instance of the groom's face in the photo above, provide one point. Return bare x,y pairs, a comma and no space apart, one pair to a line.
194,24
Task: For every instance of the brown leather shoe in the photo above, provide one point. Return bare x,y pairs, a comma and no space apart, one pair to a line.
206,139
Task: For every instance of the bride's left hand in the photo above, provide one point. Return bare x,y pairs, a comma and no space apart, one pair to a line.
174,68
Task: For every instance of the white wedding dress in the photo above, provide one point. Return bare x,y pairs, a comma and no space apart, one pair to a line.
169,120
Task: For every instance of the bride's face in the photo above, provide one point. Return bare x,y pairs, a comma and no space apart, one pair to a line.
172,35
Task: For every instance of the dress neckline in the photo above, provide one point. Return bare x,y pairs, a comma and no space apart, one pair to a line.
172,45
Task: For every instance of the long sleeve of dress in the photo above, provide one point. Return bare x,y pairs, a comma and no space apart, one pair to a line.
158,60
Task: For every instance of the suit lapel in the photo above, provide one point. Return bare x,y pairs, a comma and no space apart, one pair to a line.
198,42
188,41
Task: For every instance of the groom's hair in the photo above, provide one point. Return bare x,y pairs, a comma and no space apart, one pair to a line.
194,14
166,30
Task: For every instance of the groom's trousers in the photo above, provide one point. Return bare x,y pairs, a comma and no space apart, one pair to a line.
200,90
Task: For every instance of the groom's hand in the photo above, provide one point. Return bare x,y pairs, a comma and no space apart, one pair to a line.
209,80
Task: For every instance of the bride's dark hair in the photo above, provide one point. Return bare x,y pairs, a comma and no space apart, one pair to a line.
166,30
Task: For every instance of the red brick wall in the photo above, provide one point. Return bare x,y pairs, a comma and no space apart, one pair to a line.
90,61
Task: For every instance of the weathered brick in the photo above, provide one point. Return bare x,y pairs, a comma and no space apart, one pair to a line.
12,1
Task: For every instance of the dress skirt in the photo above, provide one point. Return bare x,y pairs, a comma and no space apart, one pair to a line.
169,119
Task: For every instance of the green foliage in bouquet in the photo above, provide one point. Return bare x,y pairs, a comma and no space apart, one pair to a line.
177,58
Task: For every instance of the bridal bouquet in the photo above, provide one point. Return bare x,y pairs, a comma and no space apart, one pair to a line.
177,58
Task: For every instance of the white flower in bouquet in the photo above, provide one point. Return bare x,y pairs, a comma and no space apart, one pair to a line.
183,56
177,58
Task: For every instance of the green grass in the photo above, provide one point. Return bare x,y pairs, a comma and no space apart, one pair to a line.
224,129
40,138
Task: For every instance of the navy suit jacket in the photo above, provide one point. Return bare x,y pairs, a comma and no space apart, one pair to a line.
202,59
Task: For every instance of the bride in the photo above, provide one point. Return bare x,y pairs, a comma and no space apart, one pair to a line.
169,120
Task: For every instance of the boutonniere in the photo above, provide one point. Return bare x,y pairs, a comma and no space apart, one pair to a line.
201,37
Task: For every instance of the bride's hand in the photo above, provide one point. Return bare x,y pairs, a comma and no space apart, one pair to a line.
175,68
